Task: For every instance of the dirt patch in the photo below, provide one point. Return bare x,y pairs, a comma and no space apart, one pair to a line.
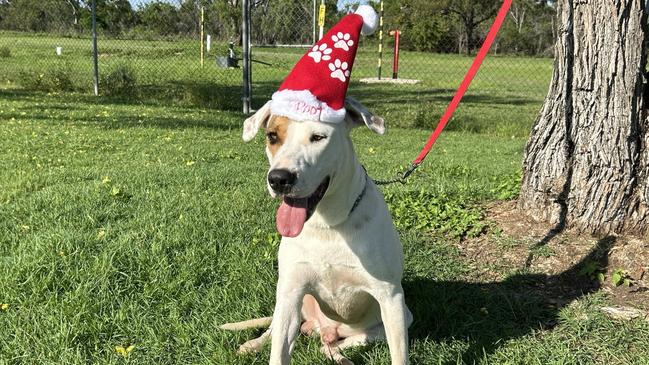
568,262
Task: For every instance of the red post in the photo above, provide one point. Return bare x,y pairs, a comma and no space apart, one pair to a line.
395,62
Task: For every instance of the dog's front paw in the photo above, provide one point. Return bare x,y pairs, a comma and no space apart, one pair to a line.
333,353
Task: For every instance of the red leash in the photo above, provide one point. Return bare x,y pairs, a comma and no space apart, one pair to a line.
450,109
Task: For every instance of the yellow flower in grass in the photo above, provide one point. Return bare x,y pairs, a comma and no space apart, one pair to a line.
189,163
124,351
4,306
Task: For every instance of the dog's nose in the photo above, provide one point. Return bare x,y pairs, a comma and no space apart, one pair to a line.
281,180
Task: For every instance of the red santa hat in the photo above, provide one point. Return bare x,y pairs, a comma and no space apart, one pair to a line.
316,87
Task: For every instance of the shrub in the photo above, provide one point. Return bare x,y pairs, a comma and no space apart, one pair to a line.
57,79
120,81
5,52
210,95
426,117
60,80
31,80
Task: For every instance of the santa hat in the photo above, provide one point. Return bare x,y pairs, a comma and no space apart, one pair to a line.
316,87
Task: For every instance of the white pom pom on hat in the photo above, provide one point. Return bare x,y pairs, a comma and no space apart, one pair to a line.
370,19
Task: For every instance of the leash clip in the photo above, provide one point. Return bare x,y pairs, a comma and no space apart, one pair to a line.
400,178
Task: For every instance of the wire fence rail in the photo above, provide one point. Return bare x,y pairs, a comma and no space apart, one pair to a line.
193,52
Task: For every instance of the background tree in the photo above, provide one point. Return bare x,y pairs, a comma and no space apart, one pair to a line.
228,19
114,17
288,21
471,14
38,16
529,29
159,17
587,160
75,7
424,24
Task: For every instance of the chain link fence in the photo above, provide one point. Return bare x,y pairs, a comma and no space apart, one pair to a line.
418,76
150,52
155,51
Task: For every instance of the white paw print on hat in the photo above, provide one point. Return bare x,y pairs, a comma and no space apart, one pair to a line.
339,70
342,40
320,53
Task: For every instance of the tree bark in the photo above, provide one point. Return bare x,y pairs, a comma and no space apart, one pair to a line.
586,163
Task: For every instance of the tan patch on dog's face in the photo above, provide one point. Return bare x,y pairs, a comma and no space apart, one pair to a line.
276,133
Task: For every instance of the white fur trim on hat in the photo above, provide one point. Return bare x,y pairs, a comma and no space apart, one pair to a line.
301,105
370,19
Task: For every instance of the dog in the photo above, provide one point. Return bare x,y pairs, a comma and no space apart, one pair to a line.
340,259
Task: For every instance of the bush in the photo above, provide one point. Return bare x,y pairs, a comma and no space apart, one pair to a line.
31,80
57,79
60,80
121,81
426,117
5,52
209,95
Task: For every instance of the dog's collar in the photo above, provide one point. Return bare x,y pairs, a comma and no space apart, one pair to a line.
360,196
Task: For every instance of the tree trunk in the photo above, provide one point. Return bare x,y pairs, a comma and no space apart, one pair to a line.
586,163
469,28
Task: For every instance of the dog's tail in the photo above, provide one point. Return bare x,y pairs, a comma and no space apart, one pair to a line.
251,323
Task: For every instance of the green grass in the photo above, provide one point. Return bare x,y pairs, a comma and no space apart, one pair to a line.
145,221
169,71
134,224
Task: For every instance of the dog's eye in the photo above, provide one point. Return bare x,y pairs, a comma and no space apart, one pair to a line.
317,137
272,137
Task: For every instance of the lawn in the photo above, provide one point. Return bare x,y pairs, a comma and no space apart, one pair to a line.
170,72
134,224
146,223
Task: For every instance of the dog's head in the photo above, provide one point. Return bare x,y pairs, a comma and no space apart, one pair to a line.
305,158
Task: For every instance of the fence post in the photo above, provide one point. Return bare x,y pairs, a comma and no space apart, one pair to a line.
395,60
315,20
94,48
321,18
247,72
202,36
380,42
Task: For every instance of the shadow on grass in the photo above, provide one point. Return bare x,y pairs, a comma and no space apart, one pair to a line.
488,314
416,107
228,97
376,95
176,93
78,108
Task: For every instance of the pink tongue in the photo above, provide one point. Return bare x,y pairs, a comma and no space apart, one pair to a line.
291,216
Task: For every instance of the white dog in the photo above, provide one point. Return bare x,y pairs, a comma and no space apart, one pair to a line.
340,259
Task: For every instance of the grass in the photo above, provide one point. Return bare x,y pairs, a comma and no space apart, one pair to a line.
146,223
132,224
169,71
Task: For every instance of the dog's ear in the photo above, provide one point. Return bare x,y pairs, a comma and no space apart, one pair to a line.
357,115
259,119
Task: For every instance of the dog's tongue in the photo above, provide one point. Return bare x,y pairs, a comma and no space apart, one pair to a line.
291,216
